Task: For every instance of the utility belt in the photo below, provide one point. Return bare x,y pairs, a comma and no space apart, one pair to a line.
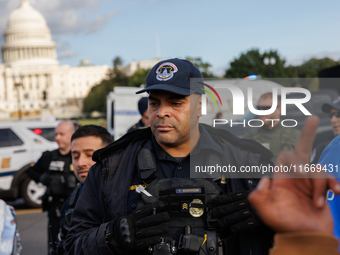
192,229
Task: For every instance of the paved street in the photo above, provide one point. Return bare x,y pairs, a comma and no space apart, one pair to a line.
32,225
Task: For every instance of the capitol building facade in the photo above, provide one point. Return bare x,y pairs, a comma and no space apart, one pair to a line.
31,78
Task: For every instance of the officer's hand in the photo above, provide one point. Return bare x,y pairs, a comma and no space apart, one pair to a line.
233,211
45,179
141,229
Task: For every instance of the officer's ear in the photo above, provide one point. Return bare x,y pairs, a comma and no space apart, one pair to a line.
195,105
199,106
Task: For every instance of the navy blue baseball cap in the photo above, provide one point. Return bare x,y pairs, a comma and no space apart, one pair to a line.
328,107
142,105
174,75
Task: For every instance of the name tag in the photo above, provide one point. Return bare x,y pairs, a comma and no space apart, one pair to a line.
57,166
188,191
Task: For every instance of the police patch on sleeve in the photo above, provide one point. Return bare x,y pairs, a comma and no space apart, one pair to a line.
166,71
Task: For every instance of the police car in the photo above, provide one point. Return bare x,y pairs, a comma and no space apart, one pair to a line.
21,144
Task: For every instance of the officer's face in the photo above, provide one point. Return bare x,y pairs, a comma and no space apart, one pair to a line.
82,149
171,119
63,134
335,121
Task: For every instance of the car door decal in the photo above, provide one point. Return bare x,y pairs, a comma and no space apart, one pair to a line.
6,163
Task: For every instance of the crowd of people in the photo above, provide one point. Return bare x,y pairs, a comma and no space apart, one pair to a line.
135,195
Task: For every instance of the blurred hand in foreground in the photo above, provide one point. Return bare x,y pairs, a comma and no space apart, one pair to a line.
296,203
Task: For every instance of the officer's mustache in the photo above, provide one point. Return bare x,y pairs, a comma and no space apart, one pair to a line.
163,123
82,169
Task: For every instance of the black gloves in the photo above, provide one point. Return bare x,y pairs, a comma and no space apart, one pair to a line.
45,179
142,228
233,211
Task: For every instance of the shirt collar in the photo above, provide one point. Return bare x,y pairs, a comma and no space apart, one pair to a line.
160,152
206,142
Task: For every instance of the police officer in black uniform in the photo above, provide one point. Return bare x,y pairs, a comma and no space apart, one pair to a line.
139,198
54,170
143,110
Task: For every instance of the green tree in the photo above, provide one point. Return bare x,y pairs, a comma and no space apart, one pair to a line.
138,77
252,62
202,66
96,99
308,71
311,67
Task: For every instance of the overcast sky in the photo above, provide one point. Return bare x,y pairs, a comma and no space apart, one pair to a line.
218,31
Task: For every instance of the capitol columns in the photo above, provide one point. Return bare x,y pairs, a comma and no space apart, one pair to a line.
18,84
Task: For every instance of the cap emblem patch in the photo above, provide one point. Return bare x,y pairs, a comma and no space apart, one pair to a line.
166,71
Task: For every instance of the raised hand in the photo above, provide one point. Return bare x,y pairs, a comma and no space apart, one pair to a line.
298,203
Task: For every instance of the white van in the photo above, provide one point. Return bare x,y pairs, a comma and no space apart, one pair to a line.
21,144
122,110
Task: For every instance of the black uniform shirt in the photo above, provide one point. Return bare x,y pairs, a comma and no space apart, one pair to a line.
105,199
43,164
52,163
170,167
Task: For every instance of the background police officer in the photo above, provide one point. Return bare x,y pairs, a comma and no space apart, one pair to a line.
54,170
272,134
143,110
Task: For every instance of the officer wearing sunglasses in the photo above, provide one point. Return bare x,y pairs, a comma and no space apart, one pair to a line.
272,134
333,109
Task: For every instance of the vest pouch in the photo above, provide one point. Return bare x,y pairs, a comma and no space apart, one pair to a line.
61,184
187,201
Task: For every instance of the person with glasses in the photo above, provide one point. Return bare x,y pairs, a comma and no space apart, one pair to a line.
333,109
329,160
327,154
272,134
143,110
